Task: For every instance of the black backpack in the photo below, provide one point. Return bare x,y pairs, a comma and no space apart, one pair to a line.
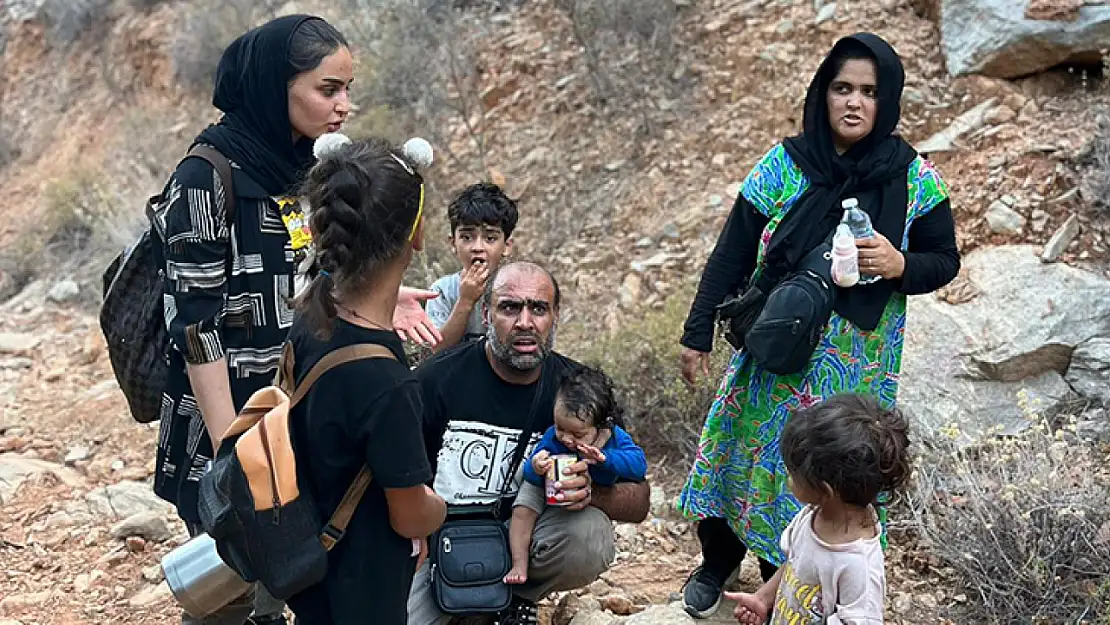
256,503
132,316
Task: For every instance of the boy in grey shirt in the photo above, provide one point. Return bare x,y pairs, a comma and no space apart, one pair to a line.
482,221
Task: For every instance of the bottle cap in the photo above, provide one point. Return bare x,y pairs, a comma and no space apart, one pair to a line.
849,203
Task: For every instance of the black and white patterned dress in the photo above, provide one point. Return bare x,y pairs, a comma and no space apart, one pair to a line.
228,294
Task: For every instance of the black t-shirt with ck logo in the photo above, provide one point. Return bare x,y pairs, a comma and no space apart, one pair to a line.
473,420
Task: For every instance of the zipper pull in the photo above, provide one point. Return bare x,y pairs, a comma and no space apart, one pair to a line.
446,544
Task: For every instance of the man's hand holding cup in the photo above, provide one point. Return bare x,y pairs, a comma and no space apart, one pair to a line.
574,486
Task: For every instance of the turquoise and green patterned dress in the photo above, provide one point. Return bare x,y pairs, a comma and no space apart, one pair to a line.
738,473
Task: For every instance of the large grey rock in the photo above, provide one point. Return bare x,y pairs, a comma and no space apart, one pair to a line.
18,343
1089,373
669,614
595,618
994,38
999,360
1094,426
14,470
125,499
151,526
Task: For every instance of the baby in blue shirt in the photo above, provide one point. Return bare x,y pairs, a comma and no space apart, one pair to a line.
587,423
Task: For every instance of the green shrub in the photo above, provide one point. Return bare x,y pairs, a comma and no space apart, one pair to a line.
642,356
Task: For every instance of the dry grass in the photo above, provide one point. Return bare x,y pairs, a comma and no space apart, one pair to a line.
205,31
86,216
630,55
1024,523
418,74
665,416
1096,188
66,20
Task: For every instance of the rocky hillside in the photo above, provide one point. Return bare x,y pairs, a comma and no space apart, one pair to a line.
625,171
624,128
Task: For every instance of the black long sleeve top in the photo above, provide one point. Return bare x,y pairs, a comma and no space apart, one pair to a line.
932,261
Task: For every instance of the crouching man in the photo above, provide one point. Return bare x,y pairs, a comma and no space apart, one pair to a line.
477,399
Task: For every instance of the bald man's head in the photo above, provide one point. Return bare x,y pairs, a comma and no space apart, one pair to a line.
521,308
526,271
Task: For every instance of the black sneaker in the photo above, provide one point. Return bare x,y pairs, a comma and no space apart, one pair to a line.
519,612
701,594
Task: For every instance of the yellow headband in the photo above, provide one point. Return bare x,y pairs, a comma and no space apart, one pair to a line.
420,209
419,214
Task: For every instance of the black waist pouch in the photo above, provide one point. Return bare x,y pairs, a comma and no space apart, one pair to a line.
791,324
781,329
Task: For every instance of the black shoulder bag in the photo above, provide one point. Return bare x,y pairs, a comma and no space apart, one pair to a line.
470,552
780,318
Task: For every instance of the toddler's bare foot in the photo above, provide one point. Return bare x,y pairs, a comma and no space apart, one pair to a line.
518,575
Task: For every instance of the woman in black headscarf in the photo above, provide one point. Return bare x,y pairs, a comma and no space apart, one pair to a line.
788,204
230,281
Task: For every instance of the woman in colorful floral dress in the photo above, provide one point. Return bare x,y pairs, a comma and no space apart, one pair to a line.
737,488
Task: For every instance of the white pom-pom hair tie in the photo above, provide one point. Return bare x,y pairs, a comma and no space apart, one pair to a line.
330,142
419,151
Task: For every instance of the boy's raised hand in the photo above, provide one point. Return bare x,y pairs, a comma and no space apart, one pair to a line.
541,462
473,282
750,608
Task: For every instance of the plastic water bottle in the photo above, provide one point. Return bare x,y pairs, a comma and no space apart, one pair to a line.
845,257
859,223
857,219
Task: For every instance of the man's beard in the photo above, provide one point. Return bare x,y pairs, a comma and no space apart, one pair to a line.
506,355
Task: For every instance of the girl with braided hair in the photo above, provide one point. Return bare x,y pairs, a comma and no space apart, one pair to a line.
368,202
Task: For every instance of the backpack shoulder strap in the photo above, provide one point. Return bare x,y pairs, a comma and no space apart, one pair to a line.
333,359
223,167
336,526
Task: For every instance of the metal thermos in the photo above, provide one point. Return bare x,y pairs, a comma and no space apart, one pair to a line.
199,579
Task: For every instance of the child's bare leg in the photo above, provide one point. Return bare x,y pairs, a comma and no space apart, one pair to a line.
520,543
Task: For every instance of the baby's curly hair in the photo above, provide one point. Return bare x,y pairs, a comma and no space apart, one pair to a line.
587,393
851,443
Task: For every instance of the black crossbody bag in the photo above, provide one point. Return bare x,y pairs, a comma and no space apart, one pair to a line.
780,318
470,552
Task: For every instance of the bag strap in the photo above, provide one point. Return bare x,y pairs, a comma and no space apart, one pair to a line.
333,359
522,440
336,526
222,165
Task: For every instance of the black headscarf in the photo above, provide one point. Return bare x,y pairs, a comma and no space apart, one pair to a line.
252,90
873,170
